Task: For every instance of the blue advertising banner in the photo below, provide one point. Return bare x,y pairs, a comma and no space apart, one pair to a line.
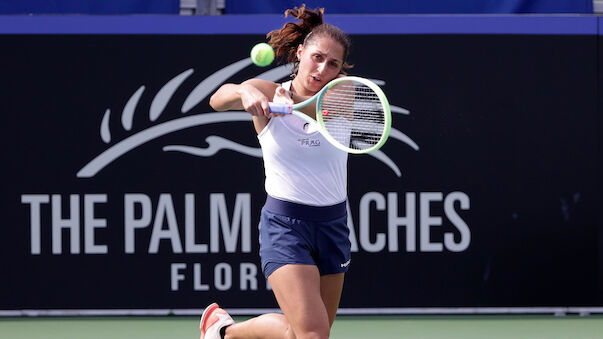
124,191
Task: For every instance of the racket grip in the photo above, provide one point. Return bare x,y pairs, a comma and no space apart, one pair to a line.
280,108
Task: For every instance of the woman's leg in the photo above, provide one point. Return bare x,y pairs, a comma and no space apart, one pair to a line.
331,286
298,291
309,302
266,326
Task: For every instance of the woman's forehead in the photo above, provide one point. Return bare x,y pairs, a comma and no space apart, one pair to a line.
326,45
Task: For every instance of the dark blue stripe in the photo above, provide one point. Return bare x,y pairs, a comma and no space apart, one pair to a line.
470,24
104,7
147,24
305,212
261,24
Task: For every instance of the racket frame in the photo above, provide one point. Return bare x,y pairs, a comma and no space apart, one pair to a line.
320,123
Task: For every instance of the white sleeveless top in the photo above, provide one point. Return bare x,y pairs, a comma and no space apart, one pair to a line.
301,165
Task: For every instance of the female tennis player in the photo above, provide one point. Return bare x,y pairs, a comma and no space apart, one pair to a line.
304,244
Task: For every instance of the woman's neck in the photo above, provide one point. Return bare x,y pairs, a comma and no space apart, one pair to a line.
299,89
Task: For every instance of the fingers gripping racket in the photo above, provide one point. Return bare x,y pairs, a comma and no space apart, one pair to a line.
352,113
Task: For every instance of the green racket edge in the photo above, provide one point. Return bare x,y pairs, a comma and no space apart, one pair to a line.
386,111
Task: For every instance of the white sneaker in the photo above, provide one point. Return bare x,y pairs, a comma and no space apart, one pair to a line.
213,320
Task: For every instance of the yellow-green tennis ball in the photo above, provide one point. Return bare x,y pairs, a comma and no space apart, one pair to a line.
262,54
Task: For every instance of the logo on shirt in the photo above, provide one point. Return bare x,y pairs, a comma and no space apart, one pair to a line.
307,142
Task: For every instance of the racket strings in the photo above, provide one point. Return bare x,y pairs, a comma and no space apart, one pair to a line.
353,115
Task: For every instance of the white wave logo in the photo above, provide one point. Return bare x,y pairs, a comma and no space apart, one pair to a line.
215,143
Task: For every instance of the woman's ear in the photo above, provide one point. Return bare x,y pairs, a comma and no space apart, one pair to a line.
298,53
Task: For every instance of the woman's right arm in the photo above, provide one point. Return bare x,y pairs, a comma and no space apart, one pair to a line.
251,95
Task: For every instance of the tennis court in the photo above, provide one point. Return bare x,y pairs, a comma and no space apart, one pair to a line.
349,327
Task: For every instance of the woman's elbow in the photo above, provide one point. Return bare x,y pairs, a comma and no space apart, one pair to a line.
216,104
213,103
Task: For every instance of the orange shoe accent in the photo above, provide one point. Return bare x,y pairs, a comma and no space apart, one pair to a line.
213,320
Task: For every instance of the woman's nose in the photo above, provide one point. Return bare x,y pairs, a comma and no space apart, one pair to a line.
321,67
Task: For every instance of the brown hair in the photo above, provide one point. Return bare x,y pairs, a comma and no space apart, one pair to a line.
311,26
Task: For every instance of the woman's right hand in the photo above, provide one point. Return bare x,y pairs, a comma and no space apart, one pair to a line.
253,100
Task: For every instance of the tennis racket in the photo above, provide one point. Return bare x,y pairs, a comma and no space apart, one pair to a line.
352,113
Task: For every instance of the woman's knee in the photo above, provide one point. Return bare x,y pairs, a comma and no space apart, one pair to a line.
318,334
318,330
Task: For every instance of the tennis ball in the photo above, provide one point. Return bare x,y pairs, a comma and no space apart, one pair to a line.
262,54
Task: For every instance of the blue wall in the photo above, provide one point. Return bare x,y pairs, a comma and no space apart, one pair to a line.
105,7
89,7
416,6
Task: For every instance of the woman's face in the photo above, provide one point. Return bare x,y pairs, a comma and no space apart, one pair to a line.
320,61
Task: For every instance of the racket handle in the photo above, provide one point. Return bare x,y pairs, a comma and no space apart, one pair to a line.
280,108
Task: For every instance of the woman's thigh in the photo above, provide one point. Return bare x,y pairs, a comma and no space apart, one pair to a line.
298,291
331,286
